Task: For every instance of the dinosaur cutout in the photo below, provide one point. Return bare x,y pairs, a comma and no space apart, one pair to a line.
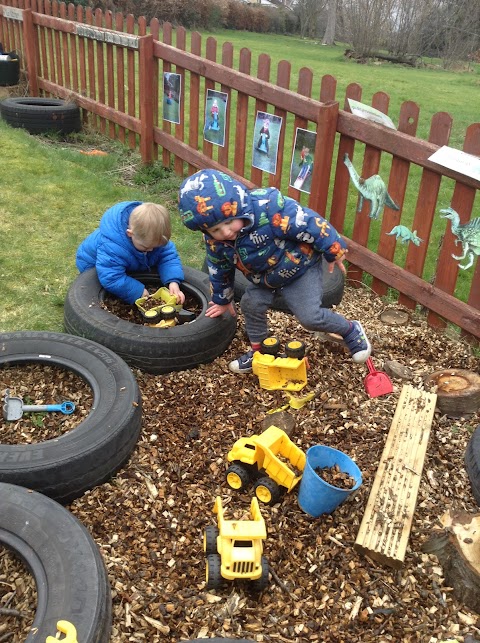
468,234
373,189
405,235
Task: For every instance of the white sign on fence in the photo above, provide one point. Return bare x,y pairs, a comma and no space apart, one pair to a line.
13,13
458,161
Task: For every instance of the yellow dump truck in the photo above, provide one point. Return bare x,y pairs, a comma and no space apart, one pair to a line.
234,549
270,459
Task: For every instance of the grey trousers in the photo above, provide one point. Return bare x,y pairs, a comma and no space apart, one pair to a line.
304,298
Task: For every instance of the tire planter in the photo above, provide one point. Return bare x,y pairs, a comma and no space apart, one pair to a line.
69,572
472,463
9,72
333,288
41,115
458,391
89,454
154,350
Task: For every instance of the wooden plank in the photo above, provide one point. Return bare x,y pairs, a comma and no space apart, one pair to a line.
180,127
462,202
131,81
342,178
210,54
371,165
304,88
263,73
283,80
242,115
196,47
397,186
385,528
227,61
120,59
440,129
100,68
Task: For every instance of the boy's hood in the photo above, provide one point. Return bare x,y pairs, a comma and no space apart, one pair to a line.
210,197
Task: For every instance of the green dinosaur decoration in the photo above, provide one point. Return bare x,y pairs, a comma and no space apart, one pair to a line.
468,234
406,235
373,189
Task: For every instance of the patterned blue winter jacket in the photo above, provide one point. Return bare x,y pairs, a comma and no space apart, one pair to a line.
112,253
279,242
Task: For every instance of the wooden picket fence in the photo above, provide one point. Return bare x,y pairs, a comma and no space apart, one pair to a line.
112,66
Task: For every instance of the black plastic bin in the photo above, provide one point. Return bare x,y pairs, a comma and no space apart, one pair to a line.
10,71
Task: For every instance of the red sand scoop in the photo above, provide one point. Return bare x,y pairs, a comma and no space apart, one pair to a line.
377,383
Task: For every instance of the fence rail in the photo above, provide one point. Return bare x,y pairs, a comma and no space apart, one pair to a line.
113,66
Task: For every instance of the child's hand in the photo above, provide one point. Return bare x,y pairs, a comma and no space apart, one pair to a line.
174,289
145,293
216,310
339,262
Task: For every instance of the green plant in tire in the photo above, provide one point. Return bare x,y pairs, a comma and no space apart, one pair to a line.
270,460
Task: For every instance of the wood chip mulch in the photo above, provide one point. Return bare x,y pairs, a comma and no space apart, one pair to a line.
149,519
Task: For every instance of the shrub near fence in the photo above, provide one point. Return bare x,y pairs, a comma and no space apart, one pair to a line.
112,68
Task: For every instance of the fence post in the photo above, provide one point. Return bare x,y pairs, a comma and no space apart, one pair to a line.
145,53
30,44
323,155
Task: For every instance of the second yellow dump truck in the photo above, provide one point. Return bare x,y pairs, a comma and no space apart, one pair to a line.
270,459
234,549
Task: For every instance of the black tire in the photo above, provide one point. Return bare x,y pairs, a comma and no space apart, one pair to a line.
69,572
333,288
152,350
41,115
237,477
96,448
270,346
472,463
268,491
261,583
210,539
295,349
9,72
214,576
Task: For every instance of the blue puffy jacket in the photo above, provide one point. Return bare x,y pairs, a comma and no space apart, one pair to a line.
279,242
112,253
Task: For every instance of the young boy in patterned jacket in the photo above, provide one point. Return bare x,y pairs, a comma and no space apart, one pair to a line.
278,245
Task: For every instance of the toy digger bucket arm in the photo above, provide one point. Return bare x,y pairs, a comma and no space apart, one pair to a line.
218,509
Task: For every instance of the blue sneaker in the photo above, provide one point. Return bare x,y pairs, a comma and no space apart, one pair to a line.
357,343
243,364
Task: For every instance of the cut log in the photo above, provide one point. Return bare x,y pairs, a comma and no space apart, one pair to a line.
457,548
386,524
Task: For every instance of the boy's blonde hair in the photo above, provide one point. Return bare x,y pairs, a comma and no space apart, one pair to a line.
150,224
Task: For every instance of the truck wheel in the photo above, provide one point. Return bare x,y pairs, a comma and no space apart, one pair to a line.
237,477
270,346
268,491
261,583
295,349
210,539
214,576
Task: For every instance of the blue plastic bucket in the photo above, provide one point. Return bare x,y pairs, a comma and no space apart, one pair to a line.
316,496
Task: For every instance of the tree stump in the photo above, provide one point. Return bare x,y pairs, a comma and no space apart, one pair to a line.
457,548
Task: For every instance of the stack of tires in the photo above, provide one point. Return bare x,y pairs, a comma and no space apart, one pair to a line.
41,115
69,572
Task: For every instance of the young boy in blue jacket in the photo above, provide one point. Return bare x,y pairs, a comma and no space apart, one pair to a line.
132,236
278,245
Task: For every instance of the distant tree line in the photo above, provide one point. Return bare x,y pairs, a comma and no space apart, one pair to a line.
447,29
